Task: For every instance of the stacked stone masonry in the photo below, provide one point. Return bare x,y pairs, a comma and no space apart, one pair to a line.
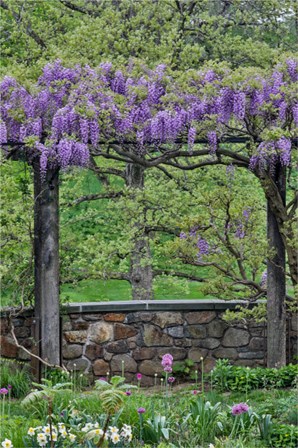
99,342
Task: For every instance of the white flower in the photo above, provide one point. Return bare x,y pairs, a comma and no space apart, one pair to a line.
7,444
115,438
87,427
113,429
46,429
96,425
31,431
61,427
98,432
126,431
41,439
63,434
72,437
54,436
211,445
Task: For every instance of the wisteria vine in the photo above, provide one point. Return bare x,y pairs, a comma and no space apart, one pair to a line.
71,109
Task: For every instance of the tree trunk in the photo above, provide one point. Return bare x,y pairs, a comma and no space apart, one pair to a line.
46,263
141,275
276,282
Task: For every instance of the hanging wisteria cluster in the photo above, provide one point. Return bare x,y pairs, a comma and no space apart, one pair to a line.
72,108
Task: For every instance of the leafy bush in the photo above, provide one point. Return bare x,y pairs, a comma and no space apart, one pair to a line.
183,369
284,436
17,375
227,377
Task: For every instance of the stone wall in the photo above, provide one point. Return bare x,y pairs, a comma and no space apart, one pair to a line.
99,337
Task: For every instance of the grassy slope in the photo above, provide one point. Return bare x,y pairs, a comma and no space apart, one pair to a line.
101,290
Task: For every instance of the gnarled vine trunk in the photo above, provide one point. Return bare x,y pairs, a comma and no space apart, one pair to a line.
46,263
140,275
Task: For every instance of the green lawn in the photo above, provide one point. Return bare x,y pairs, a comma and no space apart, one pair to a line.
99,291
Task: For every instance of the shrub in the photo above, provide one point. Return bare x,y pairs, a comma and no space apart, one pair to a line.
284,436
227,377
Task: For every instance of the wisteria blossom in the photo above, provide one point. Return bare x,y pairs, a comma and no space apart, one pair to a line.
63,117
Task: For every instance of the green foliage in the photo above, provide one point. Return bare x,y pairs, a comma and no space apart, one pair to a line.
284,436
227,377
17,375
156,429
206,419
265,426
183,369
112,394
48,391
16,220
56,376
182,34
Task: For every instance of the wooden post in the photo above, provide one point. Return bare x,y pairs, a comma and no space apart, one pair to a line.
276,282
46,263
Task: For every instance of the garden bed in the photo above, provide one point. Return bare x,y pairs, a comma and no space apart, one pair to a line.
203,413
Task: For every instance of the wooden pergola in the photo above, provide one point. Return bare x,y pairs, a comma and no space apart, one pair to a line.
46,249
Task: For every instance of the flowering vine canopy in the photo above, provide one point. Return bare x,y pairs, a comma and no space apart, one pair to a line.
71,111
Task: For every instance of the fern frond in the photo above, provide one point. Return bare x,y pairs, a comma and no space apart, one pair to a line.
112,400
117,380
101,385
62,385
32,397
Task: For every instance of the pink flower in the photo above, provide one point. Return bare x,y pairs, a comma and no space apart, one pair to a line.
9,386
195,392
139,376
167,360
171,379
239,408
141,410
128,393
3,391
168,369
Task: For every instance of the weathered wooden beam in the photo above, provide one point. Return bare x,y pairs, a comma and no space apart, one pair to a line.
46,262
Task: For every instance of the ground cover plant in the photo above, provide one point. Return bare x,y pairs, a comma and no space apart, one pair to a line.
114,413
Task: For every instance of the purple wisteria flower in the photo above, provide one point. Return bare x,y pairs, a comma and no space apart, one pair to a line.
240,408
141,410
212,140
